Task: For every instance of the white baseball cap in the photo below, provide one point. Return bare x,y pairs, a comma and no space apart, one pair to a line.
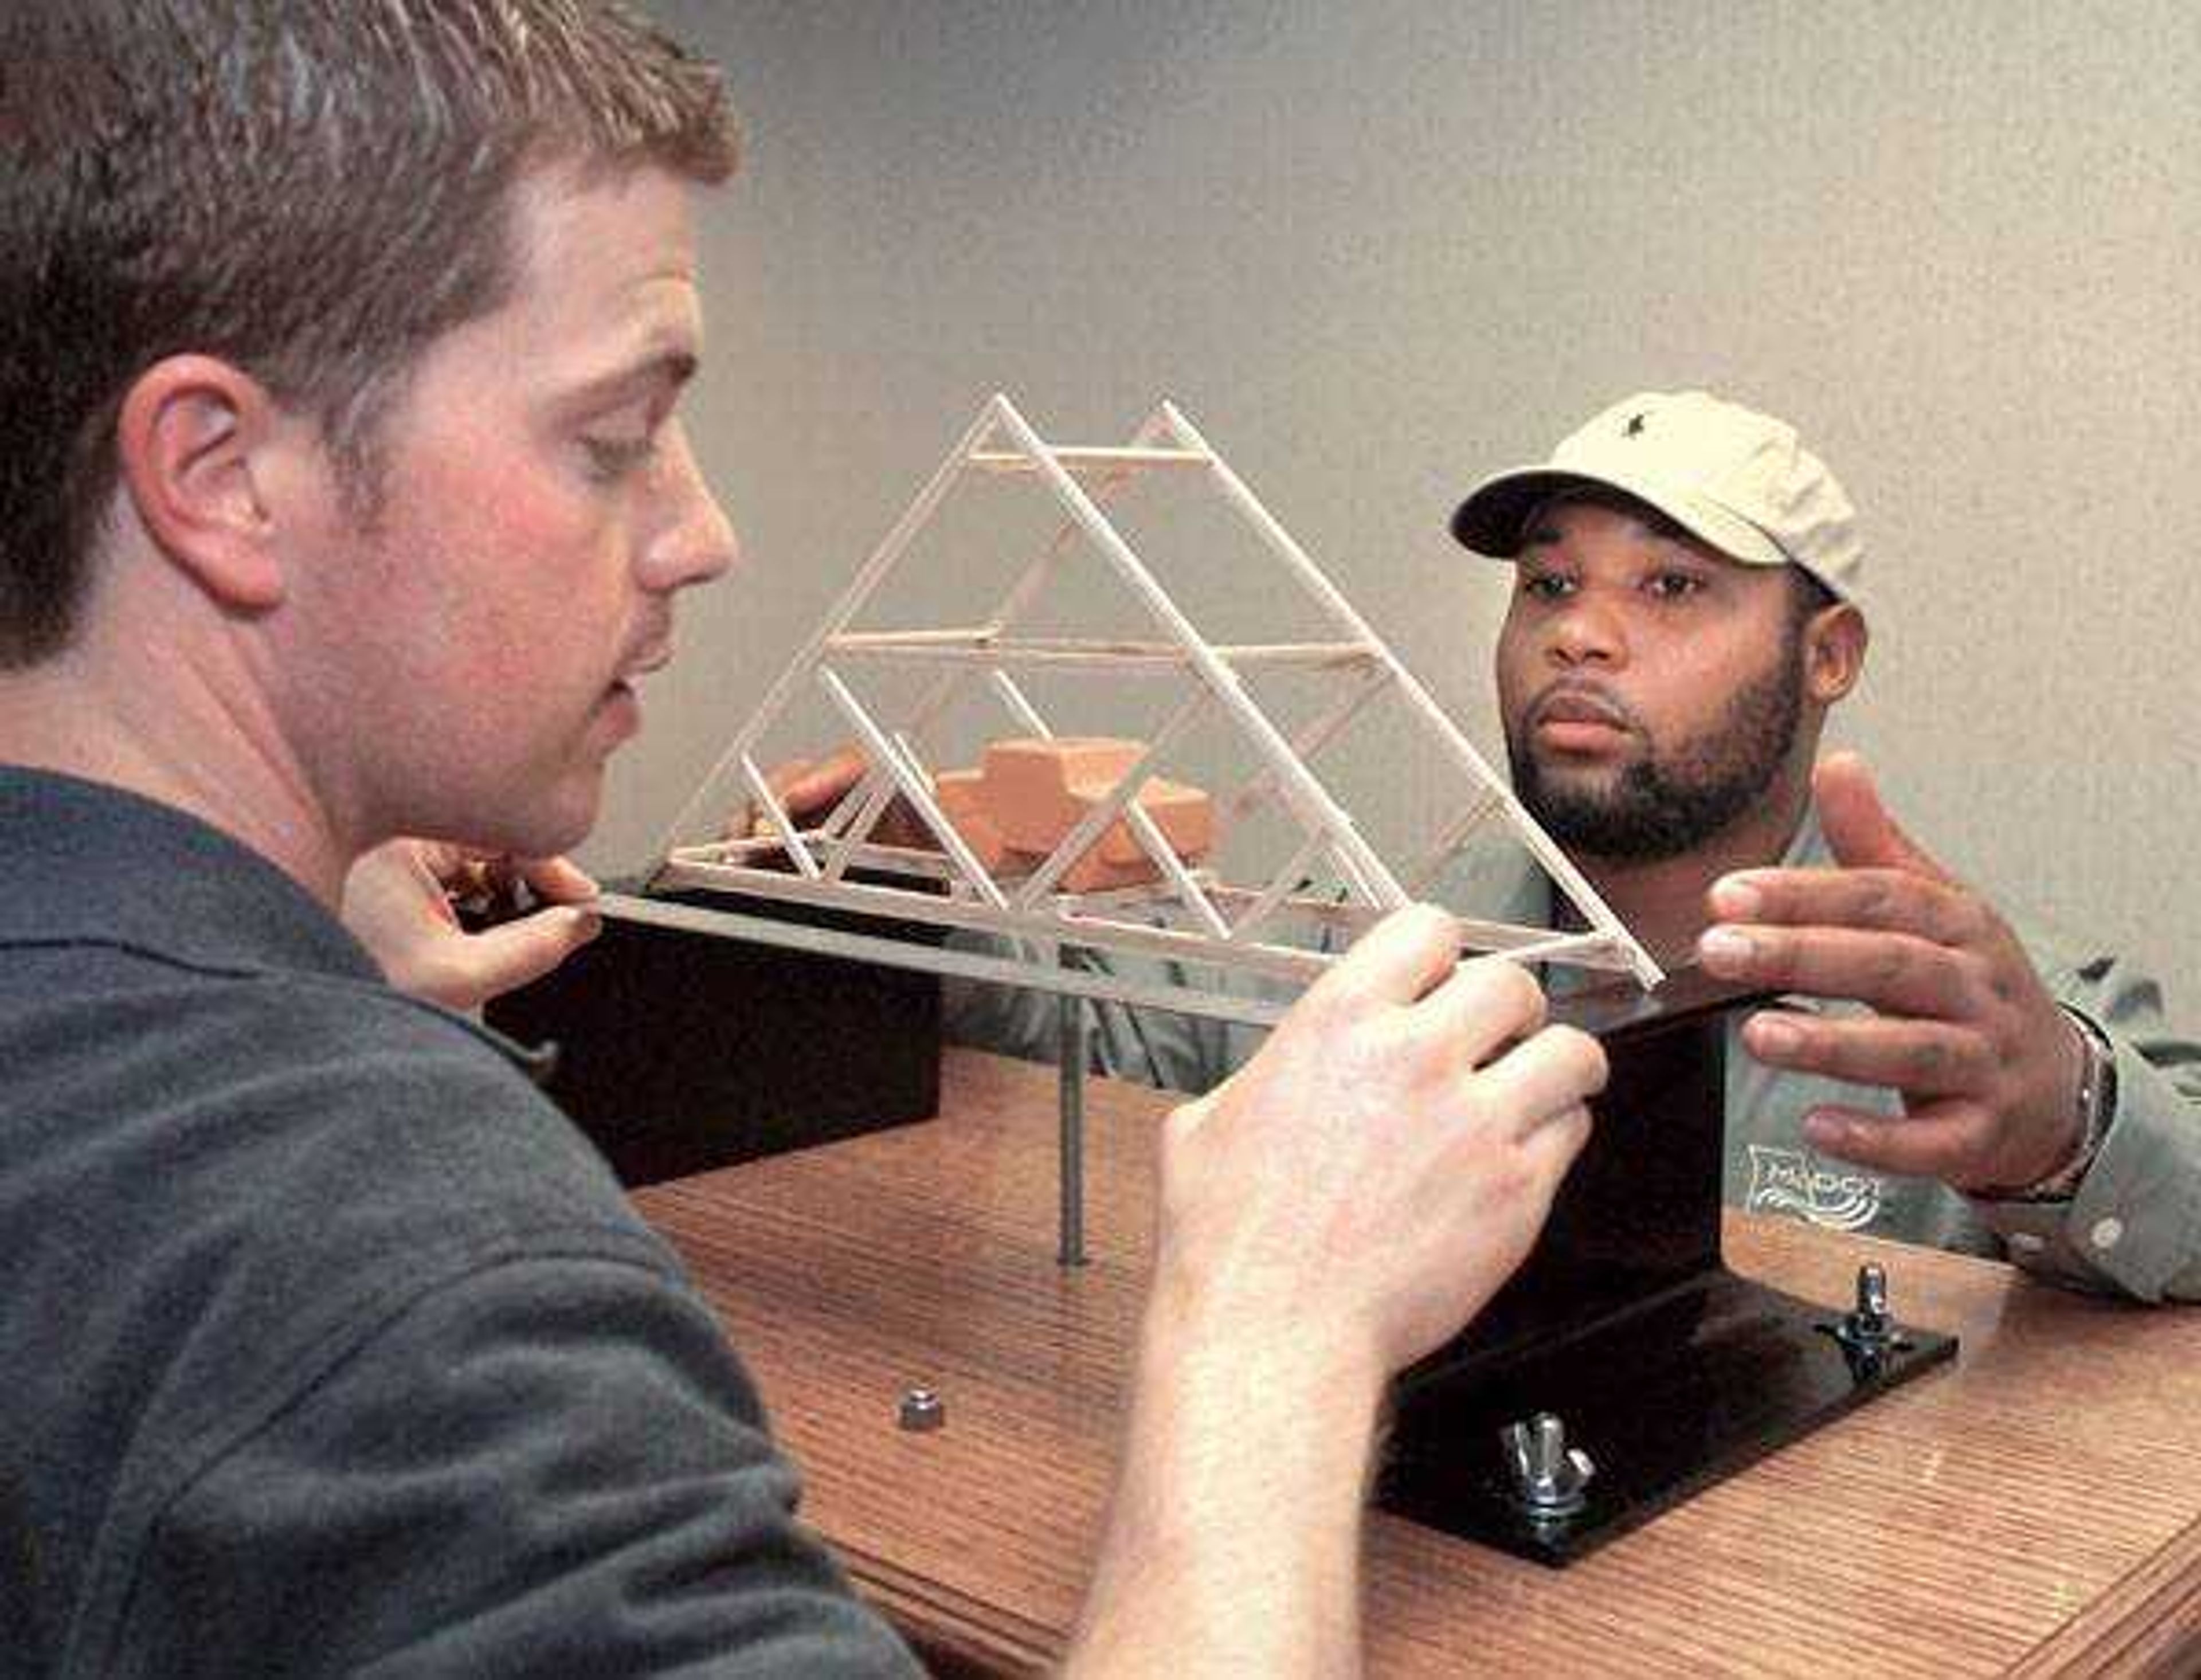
1739,480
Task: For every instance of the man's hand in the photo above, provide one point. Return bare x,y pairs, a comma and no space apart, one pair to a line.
1383,1166
806,788
399,899
1987,1064
1336,1209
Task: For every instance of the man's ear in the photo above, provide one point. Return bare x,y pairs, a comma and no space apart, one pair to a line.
192,443
1834,640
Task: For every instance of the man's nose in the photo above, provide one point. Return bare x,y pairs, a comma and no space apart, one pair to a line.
1587,632
696,543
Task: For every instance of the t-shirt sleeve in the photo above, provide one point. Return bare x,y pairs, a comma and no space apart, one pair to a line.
549,1466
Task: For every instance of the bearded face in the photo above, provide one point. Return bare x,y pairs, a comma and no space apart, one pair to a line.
1673,791
1653,690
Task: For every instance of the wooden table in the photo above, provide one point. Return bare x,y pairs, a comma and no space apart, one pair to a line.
2035,1509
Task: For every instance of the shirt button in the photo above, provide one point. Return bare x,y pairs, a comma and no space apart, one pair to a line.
2106,1233
2026,1243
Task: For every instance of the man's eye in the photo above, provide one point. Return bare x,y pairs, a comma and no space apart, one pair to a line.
1546,586
612,458
1675,585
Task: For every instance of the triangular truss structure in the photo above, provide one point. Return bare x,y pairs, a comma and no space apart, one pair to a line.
1189,913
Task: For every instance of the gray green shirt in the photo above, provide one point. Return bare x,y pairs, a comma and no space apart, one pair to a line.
2133,1227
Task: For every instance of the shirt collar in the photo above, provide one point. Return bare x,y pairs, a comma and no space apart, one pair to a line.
1808,850
1534,897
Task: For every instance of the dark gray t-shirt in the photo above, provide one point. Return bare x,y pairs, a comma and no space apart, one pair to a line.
327,1344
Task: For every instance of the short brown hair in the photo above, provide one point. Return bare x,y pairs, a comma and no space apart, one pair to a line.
313,190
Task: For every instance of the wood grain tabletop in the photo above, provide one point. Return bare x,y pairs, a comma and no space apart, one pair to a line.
2034,1508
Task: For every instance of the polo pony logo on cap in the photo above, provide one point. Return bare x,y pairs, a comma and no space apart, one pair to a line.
1635,426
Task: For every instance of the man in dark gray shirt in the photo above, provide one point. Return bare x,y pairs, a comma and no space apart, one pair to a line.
345,498
328,1341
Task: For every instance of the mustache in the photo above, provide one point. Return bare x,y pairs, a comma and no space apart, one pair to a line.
1576,699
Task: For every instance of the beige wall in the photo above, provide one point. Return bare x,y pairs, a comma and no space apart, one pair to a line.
1377,249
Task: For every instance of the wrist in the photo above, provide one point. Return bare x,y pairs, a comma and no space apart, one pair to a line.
1264,1338
1234,1535
1255,1403
2091,1107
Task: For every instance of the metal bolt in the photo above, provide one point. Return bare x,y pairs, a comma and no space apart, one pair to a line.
1868,1332
1871,1315
1548,1475
922,1409
1867,1325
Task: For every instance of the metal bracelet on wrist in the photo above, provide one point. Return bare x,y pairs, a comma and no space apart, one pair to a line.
2097,1103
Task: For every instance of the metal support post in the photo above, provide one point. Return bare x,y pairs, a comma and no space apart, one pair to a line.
1074,1048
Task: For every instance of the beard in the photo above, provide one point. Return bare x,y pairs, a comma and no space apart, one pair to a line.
1671,800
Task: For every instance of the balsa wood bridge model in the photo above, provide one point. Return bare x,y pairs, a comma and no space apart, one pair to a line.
893,852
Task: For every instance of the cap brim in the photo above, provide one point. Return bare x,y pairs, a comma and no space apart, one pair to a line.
1491,521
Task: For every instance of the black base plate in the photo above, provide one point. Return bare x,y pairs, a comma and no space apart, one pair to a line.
1666,1398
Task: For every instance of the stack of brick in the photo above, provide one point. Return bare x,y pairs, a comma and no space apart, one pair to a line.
1015,809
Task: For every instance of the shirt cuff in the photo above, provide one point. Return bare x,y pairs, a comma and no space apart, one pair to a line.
2135,1220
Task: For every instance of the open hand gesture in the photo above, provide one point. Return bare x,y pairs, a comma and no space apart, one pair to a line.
1987,1064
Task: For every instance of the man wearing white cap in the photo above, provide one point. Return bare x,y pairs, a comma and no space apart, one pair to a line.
1688,607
